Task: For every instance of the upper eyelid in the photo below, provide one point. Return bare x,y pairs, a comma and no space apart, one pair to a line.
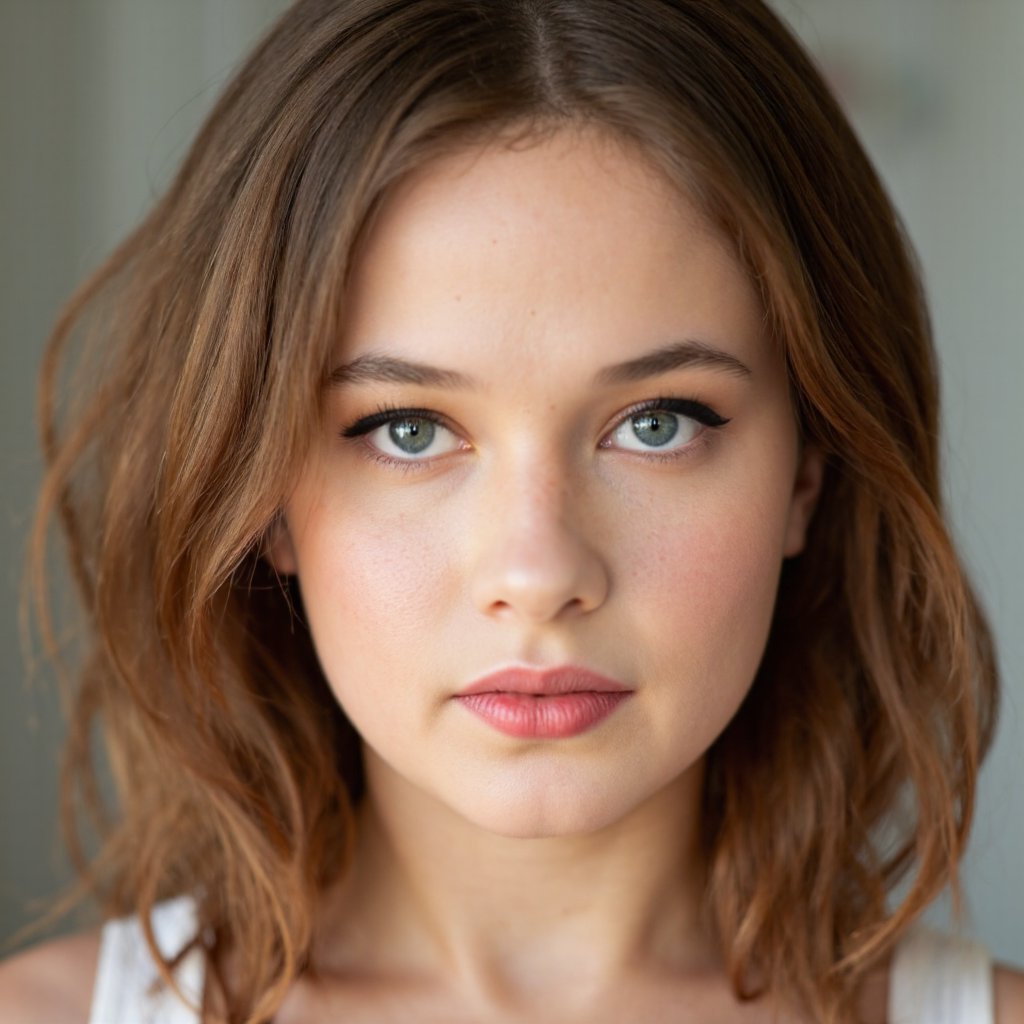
388,414
365,424
666,403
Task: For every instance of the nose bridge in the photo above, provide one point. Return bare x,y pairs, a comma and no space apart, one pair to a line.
539,483
537,557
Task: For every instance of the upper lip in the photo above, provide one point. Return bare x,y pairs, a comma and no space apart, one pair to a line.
544,681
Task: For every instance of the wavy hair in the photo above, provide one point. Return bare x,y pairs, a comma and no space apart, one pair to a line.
183,380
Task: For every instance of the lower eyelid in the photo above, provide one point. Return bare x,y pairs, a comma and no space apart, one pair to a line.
404,465
692,448
696,444
360,434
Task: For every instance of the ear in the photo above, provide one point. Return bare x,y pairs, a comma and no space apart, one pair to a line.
278,548
806,490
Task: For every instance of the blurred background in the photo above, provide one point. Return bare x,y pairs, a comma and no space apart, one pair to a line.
98,102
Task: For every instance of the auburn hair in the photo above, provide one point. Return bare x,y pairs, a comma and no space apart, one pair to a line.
183,381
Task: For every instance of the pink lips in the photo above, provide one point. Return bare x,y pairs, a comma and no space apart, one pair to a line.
543,704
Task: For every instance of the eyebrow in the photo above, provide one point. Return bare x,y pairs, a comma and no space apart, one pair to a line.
374,368
377,368
674,356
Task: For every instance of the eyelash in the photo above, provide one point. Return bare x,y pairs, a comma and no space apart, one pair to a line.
688,407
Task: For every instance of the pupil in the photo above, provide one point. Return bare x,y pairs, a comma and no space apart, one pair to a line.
655,428
412,435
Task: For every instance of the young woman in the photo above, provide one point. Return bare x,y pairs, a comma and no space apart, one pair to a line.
501,480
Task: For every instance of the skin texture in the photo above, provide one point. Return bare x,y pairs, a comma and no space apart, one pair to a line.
522,540
540,528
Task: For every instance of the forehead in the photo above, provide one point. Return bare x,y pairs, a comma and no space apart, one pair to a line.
572,243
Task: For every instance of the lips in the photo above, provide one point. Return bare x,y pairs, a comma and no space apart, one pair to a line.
550,703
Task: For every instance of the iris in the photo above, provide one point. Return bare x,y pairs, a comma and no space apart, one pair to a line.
655,428
412,435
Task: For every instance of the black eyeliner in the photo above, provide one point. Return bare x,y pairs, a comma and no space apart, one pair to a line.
385,415
684,407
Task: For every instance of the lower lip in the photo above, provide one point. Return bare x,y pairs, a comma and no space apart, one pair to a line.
543,717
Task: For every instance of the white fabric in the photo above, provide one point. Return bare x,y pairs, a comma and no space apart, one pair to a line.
126,972
935,978
940,979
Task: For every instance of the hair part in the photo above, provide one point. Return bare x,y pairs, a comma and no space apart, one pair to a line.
205,341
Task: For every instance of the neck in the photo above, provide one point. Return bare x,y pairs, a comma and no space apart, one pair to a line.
430,893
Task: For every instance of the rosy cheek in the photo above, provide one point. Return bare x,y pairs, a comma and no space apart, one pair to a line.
711,582
380,574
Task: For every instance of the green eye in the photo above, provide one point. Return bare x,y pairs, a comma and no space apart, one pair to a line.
654,430
400,435
412,435
662,421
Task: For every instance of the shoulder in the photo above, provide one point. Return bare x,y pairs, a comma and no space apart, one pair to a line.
51,983
1008,985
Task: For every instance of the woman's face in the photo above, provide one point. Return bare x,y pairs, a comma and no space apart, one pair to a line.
528,513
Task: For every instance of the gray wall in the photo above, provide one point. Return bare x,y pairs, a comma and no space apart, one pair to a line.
98,99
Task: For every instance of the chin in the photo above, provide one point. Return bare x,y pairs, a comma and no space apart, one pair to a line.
548,812
530,825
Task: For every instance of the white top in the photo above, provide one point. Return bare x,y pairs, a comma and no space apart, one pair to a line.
940,979
935,979
126,972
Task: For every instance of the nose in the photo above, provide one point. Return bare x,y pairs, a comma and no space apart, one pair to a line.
535,561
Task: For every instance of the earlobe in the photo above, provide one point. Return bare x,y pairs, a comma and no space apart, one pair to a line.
806,491
278,549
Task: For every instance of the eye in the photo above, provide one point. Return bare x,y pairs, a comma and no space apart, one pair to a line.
403,435
664,426
655,430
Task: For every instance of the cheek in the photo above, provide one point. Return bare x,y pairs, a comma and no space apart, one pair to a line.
382,576
706,580
372,585
724,579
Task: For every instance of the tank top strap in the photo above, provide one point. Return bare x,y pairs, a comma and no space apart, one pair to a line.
940,979
128,987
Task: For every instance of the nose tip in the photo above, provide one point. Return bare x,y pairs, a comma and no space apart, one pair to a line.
536,599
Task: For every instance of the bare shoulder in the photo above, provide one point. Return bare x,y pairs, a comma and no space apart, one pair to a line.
50,983
1009,995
